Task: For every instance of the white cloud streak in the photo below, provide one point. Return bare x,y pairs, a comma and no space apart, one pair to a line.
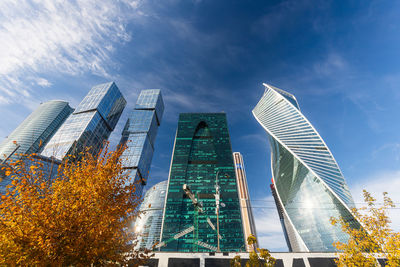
43,82
332,64
57,37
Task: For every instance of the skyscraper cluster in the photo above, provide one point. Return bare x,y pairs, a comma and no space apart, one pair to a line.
55,131
205,205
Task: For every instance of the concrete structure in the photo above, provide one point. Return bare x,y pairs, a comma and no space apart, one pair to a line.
201,158
139,136
90,124
249,227
148,227
309,185
163,259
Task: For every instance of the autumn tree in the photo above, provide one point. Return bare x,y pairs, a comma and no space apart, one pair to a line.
374,239
262,258
236,261
80,218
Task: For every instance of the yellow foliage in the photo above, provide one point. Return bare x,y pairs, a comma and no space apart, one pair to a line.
81,218
262,258
374,240
235,262
251,240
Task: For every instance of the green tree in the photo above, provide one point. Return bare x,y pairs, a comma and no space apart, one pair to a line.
374,239
80,218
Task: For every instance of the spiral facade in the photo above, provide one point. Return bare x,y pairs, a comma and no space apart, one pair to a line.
309,185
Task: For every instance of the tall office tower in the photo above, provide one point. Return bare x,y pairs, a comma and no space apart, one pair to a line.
202,157
36,130
249,227
32,134
139,136
309,185
148,226
90,124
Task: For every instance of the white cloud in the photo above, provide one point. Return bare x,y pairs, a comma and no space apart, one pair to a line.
330,65
392,149
43,82
376,184
62,37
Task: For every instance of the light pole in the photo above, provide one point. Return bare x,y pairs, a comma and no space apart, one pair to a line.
217,197
217,202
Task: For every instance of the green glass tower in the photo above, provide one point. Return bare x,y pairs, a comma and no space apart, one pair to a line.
202,152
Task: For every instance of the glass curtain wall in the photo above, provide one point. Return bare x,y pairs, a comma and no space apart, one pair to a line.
309,185
139,136
148,226
90,124
32,134
36,130
202,151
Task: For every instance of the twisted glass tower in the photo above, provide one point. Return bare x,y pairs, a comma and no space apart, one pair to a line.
309,186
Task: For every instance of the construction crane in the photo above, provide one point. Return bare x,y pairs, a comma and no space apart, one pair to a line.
217,203
198,209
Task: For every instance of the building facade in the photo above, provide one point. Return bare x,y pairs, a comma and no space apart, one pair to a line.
148,227
249,226
308,183
202,158
35,131
32,134
90,124
139,136
283,259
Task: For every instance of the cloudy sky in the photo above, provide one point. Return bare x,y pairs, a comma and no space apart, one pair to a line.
340,59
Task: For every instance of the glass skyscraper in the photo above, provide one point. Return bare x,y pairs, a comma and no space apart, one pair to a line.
33,133
249,227
36,130
148,226
139,136
202,151
307,183
90,124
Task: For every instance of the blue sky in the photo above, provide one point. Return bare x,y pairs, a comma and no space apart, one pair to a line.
340,59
